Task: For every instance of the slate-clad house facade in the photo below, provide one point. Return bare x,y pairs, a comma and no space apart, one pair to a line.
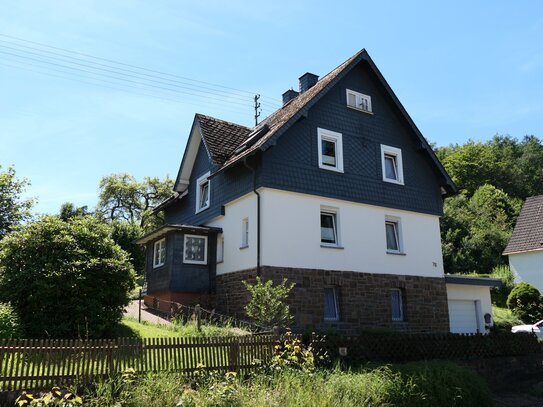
337,191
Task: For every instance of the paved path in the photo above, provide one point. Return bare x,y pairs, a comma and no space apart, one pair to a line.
132,311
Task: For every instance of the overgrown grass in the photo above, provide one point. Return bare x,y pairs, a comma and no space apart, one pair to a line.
415,384
130,327
504,318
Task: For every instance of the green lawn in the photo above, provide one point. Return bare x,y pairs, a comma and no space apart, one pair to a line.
130,327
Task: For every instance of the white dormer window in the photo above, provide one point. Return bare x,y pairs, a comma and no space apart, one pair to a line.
359,101
330,148
202,192
392,166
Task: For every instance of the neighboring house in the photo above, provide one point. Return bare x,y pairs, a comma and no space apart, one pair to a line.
525,248
337,190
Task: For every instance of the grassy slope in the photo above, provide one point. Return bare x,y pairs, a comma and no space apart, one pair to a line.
130,327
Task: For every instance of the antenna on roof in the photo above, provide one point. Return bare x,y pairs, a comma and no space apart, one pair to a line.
257,109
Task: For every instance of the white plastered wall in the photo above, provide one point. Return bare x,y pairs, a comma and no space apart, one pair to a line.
478,293
291,236
528,267
235,257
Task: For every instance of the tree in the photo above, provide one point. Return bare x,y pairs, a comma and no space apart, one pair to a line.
124,234
13,208
68,211
268,302
65,278
122,197
476,229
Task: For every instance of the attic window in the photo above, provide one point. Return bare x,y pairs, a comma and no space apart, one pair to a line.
330,147
359,101
392,166
202,192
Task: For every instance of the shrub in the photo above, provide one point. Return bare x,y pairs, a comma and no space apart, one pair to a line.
10,326
525,301
499,294
55,398
293,354
504,319
65,279
267,305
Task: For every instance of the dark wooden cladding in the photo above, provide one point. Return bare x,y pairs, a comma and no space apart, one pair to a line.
41,363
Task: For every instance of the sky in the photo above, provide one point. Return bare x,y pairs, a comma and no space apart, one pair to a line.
90,88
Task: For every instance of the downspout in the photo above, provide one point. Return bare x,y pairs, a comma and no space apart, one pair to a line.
257,216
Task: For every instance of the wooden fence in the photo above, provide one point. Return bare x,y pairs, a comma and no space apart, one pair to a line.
35,364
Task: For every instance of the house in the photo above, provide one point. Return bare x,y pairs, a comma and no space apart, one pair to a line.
525,248
338,191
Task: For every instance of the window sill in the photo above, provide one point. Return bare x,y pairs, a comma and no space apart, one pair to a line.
393,181
396,253
332,246
220,262
201,209
333,169
244,247
158,266
331,319
360,110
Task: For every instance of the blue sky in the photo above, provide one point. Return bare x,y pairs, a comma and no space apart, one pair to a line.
462,70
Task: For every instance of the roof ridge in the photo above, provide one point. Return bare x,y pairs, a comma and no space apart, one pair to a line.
221,120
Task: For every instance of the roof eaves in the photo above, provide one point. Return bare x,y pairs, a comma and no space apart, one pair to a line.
468,280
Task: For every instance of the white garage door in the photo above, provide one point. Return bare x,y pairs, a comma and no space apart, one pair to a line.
463,316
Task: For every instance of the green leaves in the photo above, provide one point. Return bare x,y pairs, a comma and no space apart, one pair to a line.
267,305
13,209
65,279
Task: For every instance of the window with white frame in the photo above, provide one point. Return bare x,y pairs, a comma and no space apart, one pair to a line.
244,233
392,166
359,101
329,227
220,248
195,249
393,235
330,148
202,192
159,253
396,298
331,304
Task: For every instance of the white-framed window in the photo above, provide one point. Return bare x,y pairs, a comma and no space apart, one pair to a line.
392,166
202,192
359,101
329,227
393,231
220,248
396,299
159,253
244,233
331,304
195,249
330,148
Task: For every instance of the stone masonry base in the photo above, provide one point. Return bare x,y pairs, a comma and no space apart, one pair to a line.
364,299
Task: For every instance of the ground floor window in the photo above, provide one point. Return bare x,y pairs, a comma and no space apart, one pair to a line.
331,307
159,253
195,251
396,297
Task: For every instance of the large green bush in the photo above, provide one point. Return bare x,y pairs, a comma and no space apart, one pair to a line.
65,279
9,322
525,301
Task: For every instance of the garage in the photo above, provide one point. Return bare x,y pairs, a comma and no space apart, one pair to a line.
463,317
470,307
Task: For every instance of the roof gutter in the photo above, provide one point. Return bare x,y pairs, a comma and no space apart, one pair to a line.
252,169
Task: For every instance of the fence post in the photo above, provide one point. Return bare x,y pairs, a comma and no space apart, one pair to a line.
234,356
139,310
110,362
198,312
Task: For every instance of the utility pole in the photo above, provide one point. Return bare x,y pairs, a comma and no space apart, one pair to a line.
257,109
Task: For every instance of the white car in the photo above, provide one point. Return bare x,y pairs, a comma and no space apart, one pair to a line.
536,328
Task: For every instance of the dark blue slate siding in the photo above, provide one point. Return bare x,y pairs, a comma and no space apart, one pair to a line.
225,187
177,276
292,164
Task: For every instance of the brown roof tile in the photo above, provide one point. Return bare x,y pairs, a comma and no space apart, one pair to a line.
528,232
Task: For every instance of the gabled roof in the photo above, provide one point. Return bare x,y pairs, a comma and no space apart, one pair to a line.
221,137
228,143
528,233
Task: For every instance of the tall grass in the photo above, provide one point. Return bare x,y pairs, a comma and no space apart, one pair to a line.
416,384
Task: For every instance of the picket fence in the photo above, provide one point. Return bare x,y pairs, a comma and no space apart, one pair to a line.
37,363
